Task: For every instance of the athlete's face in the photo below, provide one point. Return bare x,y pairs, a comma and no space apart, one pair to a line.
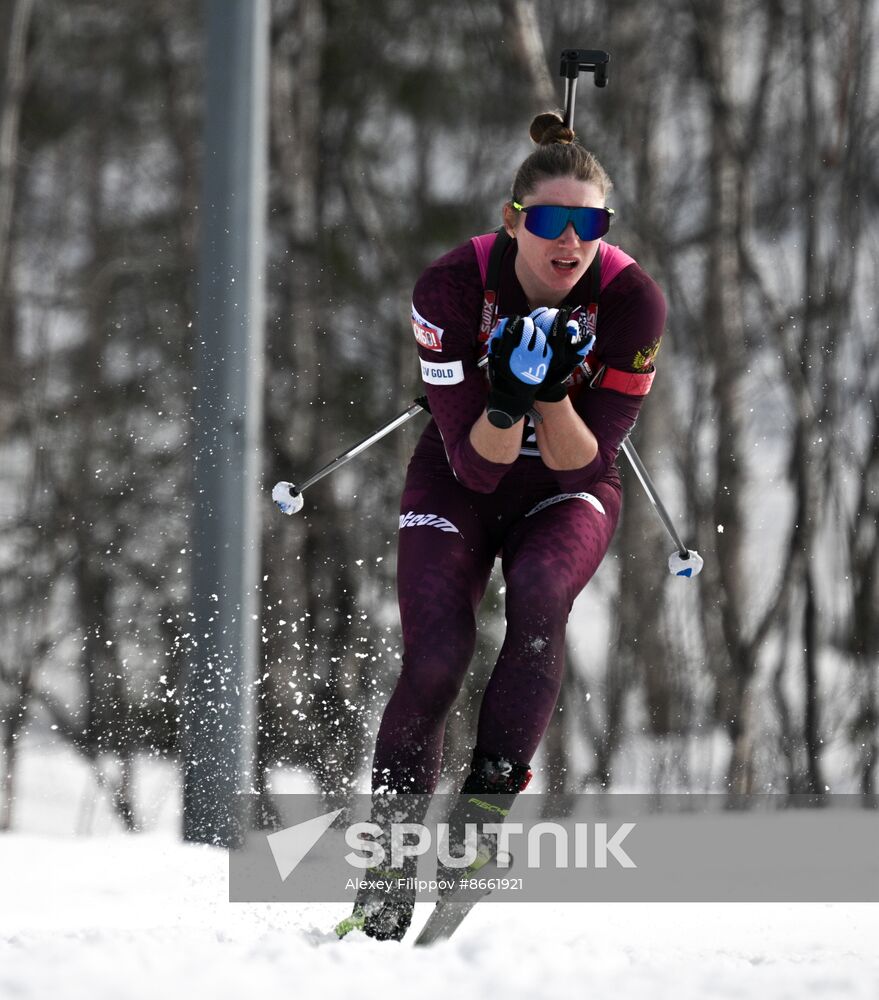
548,269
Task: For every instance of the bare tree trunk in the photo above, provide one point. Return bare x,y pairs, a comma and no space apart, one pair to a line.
299,32
123,797
870,729
852,155
334,735
810,456
185,141
607,740
862,638
529,53
640,535
16,717
723,326
557,751
812,720
15,17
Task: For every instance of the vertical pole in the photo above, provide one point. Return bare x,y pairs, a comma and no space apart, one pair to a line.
570,98
219,726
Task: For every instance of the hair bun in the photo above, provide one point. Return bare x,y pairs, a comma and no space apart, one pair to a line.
549,128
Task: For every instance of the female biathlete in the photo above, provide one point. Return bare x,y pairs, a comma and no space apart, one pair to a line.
517,462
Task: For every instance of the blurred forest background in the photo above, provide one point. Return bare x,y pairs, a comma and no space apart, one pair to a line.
742,137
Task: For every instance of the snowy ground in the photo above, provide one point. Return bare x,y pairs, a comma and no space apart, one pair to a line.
145,916
89,912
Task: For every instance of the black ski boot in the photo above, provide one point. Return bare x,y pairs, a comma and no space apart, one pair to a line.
383,906
384,903
487,795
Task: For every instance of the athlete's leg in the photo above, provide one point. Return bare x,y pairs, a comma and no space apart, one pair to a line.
443,565
549,556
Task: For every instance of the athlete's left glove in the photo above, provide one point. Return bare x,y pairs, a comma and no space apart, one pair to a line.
566,334
518,360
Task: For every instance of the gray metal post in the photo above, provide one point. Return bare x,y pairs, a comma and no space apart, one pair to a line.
219,726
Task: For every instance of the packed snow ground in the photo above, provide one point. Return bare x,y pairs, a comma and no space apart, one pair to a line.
89,912
145,916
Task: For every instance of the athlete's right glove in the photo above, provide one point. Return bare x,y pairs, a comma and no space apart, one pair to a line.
518,360
570,344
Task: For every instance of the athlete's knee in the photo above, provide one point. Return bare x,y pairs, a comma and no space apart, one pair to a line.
441,626
431,684
538,599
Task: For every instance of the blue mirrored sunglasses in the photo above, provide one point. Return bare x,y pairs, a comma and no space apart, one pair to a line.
550,221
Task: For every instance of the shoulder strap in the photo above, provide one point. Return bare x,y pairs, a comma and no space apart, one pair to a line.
483,245
490,249
502,242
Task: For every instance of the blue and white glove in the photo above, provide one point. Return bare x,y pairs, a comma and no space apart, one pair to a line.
566,333
518,360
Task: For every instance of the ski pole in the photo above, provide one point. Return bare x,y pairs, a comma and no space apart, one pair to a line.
289,497
683,561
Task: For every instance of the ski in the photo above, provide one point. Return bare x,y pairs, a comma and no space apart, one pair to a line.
452,908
